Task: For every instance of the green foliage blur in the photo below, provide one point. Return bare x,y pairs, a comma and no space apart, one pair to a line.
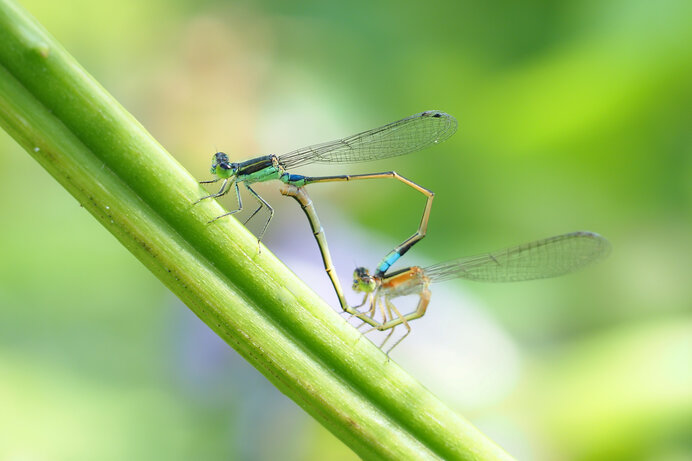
572,115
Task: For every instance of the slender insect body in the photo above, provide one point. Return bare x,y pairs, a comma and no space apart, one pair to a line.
254,165
408,282
267,173
380,290
550,257
404,136
545,258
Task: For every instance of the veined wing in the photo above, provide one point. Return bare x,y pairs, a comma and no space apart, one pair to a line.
397,138
536,260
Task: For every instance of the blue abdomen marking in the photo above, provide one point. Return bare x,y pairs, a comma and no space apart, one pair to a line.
297,180
387,262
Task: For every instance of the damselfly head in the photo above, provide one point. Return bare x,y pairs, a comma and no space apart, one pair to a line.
363,281
221,167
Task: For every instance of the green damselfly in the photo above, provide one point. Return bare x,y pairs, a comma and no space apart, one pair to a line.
397,138
550,257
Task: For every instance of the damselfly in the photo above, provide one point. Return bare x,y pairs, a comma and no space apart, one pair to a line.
397,138
545,258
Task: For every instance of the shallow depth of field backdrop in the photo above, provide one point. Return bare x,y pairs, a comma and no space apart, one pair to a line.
572,115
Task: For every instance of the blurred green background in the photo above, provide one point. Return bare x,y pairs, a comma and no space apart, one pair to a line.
573,115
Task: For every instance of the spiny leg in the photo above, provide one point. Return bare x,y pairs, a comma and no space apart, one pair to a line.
221,191
384,313
372,311
240,204
362,316
365,318
374,324
354,309
366,297
423,302
369,297
262,202
391,306
369,316
391,330
253,214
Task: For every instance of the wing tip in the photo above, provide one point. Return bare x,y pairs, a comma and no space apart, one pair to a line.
451,123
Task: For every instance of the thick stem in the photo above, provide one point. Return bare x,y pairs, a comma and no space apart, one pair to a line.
113,167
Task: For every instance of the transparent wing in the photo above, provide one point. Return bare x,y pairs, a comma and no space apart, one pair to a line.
536,260
397,138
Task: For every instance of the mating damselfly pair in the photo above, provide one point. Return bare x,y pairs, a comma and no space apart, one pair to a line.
549,257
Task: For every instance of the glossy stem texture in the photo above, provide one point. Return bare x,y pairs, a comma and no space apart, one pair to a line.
137,191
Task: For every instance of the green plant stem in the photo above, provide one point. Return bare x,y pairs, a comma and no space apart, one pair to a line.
113,167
